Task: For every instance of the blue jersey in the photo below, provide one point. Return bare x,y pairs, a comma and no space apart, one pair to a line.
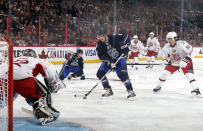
75,61
73,65
113,47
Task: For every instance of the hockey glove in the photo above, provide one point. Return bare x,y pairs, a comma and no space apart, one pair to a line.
184,62
164,62
113,66
82,77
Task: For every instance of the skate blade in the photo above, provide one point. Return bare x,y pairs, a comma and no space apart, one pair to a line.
131,99
47,123
198,96
158,92
107,98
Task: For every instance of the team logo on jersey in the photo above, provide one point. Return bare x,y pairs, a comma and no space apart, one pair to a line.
176,57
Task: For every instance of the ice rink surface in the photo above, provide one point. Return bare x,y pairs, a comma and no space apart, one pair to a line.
174,109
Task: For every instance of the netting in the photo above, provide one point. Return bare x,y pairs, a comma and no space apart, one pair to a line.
4,84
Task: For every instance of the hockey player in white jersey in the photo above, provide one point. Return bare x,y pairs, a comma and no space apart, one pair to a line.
26,68
153,46
136,47
177,54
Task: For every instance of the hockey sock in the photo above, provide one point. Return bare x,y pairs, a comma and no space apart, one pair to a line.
191,78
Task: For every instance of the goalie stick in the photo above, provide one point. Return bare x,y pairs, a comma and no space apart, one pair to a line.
28,111
85,95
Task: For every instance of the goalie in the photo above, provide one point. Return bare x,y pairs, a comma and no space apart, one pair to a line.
26,68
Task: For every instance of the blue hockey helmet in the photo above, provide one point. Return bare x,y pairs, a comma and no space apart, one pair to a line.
79,51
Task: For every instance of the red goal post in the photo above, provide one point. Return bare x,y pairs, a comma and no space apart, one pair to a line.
6,85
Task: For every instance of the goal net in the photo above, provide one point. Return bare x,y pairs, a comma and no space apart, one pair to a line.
6,89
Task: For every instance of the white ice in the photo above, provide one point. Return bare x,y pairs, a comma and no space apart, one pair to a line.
174,109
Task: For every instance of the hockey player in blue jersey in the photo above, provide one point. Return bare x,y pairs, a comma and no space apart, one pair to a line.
109,49
74,66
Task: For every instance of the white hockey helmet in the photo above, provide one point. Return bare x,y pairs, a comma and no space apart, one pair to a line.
135,37
171,35
151,33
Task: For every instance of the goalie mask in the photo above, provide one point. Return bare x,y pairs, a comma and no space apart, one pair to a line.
30,53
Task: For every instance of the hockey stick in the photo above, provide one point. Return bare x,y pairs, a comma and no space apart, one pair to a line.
85,95
28,111
143,64
98,79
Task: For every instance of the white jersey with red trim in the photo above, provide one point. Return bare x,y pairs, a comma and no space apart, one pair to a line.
178,52
136,47
153,44
1,57
25,67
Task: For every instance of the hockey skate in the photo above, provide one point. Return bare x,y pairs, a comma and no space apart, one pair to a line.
54,112
131,95
196,92
157,89
47,120
108,92
82,77
71,76
148,66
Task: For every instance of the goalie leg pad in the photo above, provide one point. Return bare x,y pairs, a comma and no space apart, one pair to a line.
41,112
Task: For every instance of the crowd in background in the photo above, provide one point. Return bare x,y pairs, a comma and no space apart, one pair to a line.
44,21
